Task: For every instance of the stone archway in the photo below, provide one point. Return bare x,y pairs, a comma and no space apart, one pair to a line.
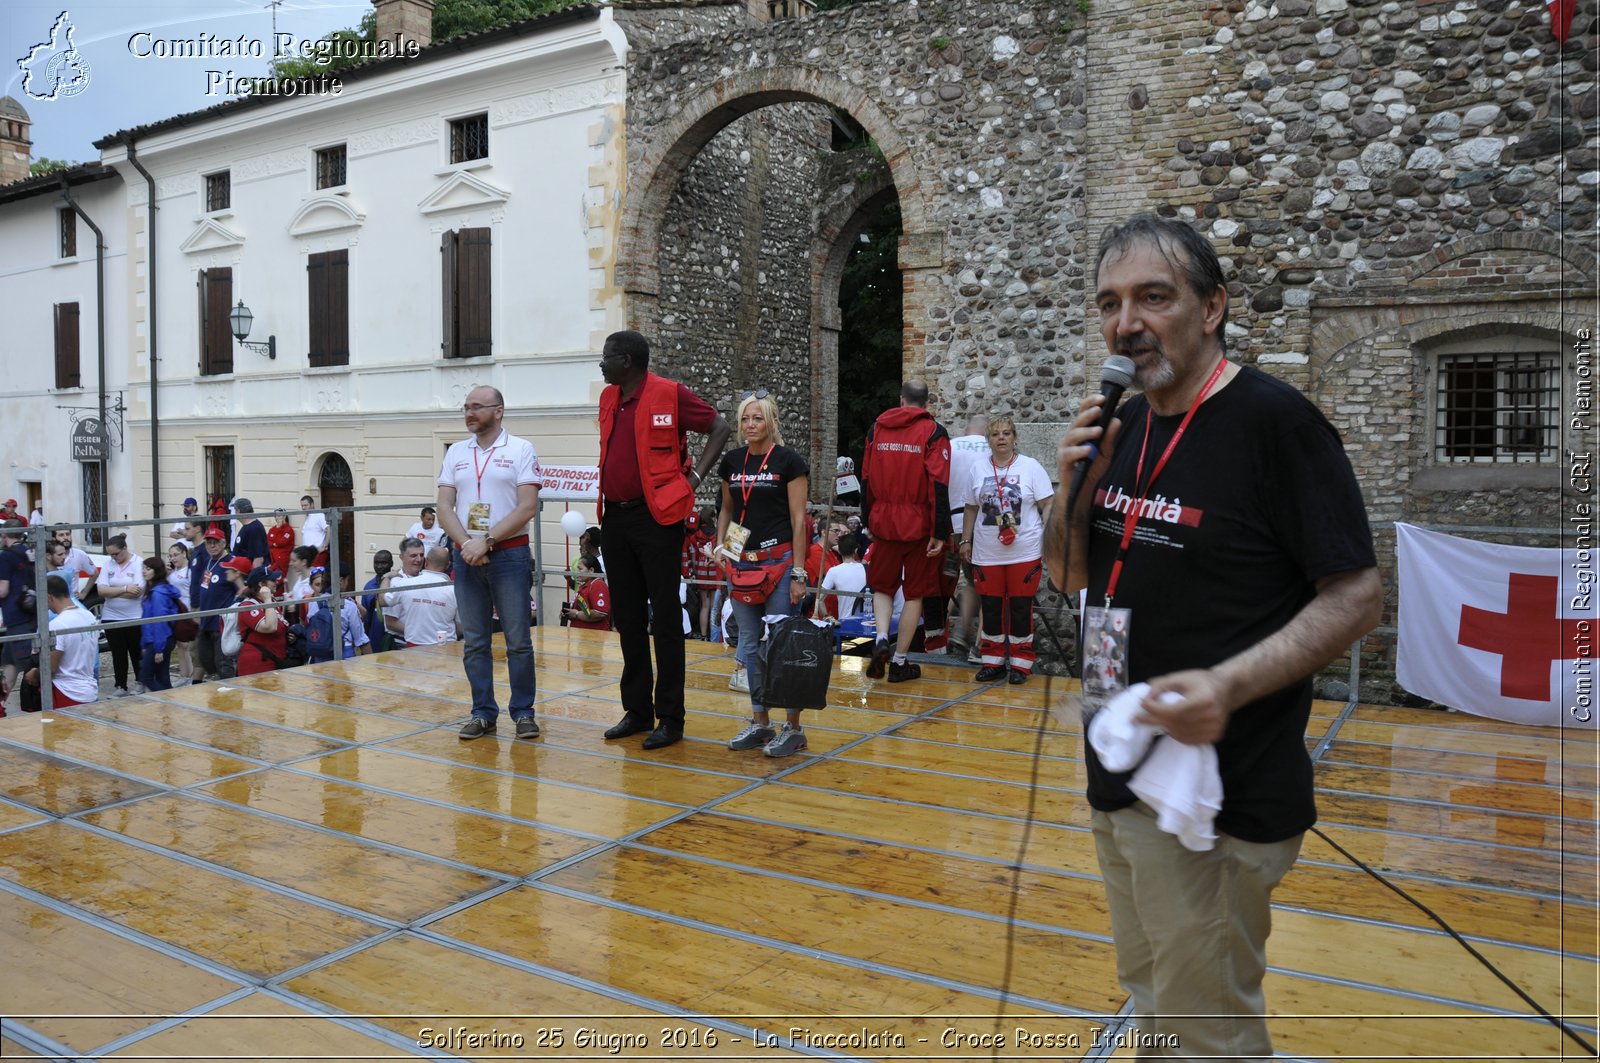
661,154
859,203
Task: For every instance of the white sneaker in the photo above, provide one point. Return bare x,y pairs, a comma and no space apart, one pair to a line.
140,688
975,655
739,680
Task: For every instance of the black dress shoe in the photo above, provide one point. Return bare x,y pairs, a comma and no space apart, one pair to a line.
664,735
628,725
1017,677
989,673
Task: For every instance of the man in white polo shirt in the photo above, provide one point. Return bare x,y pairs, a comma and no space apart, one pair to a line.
488,491
426,614
427,529
76,649
314,532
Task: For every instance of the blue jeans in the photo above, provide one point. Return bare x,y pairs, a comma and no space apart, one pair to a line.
751,629
502,586
157,675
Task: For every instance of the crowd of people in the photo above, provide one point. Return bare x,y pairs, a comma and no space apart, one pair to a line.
944,555
225,558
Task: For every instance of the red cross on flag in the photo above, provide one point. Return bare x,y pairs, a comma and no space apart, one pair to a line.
1500,631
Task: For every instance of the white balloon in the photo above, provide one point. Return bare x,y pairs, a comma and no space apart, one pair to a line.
573,524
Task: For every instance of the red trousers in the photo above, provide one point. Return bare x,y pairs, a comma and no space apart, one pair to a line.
1006,593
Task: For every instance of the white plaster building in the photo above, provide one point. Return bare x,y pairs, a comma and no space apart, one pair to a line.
52,308
445,221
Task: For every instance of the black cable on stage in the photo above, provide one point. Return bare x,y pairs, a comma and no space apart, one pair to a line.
1022,846
1073,491
1463,942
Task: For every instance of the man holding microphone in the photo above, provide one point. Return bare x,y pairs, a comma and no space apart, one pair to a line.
1221,536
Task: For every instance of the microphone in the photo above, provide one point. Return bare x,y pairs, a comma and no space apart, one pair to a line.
1115,377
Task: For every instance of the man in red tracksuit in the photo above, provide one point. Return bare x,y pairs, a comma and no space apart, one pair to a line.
905,500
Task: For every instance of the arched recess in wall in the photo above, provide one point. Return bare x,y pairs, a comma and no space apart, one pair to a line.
837,234
663,155
336,486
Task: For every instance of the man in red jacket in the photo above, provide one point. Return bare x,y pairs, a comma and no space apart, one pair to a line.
905,500
646,490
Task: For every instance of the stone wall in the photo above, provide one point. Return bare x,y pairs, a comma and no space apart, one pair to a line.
735,265
1380,178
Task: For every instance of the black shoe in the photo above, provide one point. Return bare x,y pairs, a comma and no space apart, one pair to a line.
899,673
1017,677
528,727
989,673
880,657
476,727
628,725
665,734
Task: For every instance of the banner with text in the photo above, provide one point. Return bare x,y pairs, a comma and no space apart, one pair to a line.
573,483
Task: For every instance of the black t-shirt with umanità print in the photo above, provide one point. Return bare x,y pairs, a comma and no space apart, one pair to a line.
767,513
1256,504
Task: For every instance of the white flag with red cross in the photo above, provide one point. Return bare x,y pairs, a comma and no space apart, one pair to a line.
1500,631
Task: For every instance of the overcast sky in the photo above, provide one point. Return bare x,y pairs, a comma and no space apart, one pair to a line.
122,90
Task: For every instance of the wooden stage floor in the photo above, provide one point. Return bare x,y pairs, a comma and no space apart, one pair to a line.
310,865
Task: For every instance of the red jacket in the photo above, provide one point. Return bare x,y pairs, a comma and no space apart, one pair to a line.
659,437
905,477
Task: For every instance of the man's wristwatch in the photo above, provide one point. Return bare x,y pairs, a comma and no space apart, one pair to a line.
489,541
800,574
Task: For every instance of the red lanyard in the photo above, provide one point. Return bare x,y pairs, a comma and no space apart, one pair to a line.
486,463
748,485
1131,518
999,484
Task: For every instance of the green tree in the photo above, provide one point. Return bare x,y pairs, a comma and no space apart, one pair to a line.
44,164
869,334
451,18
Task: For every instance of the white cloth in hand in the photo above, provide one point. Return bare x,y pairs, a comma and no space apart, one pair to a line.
1180,782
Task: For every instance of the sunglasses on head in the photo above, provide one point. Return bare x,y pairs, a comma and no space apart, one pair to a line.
758,393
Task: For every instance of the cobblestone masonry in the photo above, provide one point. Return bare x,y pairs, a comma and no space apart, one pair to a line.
1381,178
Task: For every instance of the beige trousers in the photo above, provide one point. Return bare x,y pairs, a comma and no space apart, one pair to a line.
1191,933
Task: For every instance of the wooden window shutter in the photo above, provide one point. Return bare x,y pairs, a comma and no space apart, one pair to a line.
68,374
474,289
339,306
216,335
328,298
450,346
317,304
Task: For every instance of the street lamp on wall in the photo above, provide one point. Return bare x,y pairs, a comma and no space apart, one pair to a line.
241,319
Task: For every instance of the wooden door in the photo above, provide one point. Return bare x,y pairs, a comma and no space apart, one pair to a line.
337,485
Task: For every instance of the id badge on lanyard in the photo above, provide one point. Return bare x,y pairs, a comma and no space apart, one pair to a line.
1105,654
733,543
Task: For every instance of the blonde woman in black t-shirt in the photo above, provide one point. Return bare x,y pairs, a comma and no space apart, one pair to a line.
764,489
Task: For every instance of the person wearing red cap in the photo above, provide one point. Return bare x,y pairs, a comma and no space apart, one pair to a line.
209,588
8,510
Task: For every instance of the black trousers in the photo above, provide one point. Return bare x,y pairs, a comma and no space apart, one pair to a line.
213,662
643,560
125,651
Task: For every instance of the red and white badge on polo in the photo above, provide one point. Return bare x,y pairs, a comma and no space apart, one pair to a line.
661,420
